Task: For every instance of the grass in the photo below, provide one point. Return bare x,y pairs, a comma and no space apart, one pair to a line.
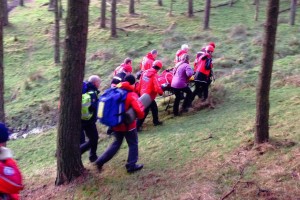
200,155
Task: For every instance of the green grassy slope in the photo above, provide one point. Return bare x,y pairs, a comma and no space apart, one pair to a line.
200,155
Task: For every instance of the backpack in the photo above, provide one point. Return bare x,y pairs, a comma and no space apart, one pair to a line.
85,106
111,107
10,177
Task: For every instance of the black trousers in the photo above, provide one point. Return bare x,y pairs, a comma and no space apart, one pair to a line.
133,151
186,102
201,90
154,109
91,132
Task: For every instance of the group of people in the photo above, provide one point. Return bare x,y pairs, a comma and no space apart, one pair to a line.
147,83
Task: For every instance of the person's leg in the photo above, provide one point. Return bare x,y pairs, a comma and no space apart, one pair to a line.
92,134
154,110
82,137
141,121
111,150
177,93
133,151
196,92
86,145
205,91
188,98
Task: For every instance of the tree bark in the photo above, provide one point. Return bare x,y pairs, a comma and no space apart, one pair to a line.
207,14
21,3
263,87
293,12
256,10
113,18
51,5
69,164
2,113
190,8
57,39
5,13
103,14
131,6
160,3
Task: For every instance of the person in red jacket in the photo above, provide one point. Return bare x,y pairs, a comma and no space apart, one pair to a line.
10,175
125,67
149,84
126,130
203,74
148,60
179,54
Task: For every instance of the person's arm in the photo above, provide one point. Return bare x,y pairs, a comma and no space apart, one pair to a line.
157,86
189,72
136,105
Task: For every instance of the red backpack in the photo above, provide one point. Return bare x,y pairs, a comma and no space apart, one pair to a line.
165,78
10,179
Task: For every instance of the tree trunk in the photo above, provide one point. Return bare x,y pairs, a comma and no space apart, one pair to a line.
293,12
113,18
190,9
21,3
57,39
160,3
263,87
69,164
5,13
51,5
2,113
103,14
206,15
60,9
256,10
131,6
171,8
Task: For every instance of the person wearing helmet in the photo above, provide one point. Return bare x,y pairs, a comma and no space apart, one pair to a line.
149,84
148,60
125,67
203,74
10,174
182,74
179,54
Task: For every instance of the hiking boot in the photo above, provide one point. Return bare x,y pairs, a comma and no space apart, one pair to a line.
139,129
158,123
93,158
99,167
135,168
203,100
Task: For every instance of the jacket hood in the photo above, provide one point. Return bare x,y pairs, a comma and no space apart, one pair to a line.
90,86
150,72
126,86
150,56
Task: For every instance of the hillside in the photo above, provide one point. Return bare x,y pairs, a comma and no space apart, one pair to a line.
204,154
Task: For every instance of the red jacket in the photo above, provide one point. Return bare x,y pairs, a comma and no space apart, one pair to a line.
147,62
123,68
149,83
130,102
179,53
204,64
10,178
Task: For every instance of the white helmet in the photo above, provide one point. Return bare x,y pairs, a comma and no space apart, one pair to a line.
184,47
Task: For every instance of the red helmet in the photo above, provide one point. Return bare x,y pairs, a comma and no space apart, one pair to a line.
157,63
212,44
209,48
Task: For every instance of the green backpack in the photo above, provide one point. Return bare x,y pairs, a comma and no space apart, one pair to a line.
85,105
